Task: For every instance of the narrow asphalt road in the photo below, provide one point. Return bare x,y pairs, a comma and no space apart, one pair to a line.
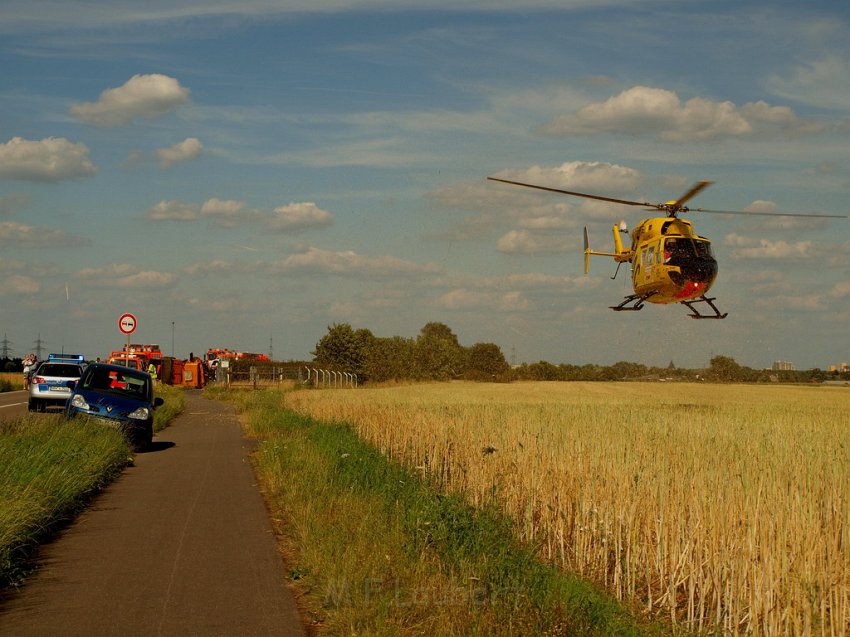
13,404
180,544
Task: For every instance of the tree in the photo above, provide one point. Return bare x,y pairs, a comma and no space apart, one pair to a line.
544,370
724,368
437,354
485,361
345,348
390,358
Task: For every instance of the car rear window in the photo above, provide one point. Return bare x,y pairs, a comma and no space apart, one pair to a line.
62,371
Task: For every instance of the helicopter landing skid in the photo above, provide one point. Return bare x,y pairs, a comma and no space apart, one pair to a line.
708,301
632,303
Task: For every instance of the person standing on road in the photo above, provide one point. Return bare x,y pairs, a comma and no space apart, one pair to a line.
152,372
29,363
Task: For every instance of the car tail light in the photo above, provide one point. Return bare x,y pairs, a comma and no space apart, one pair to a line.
38,380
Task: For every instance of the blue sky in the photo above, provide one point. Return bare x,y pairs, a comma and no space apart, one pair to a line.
255,171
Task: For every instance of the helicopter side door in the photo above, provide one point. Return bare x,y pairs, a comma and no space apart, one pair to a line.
649,262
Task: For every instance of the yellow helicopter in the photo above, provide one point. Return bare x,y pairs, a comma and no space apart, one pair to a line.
670,263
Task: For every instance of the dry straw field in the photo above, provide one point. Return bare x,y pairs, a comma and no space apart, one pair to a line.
723,507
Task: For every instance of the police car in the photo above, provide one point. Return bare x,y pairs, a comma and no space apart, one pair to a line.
49,382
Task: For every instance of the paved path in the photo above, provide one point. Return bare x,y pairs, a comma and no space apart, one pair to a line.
180,544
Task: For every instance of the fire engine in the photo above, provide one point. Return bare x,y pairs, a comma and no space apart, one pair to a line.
214,356
137,356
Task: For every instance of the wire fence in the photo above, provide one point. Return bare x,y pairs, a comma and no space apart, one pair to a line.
265,376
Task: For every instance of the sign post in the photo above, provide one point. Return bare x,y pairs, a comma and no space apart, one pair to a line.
127,324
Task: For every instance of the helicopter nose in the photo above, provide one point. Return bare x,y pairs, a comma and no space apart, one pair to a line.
702,270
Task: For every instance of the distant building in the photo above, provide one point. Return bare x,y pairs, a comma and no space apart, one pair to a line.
783,366
838,369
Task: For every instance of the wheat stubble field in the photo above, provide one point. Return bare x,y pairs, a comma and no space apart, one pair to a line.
722,507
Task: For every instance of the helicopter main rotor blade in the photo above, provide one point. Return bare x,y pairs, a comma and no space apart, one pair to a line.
580,194
810,215
695,190
674,207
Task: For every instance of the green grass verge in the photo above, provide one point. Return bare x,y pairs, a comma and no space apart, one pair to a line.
175,403
49,471
376,551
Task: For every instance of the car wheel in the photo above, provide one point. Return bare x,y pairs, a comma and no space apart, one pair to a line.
32,405
142,440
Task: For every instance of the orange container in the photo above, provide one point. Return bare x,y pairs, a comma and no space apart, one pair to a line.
193,374
177,372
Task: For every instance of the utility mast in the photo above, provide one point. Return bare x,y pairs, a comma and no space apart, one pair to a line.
5,347
38,345
271,348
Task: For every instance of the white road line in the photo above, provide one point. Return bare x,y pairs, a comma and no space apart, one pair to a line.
11,405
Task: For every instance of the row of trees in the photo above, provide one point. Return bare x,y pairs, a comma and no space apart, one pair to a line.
436,354
722,369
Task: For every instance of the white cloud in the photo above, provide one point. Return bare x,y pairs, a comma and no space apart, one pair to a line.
216,267
225,306
111,271
133,158
350,263
296,217
147,280
526,242
466,299
590,176
174,211
539,280
20,284
840,290
759,248
823,82
529,211
124,275
798,302
13,234
51,159
548,221
189,148
29,17
142,96
228,212
461,299
514,302
644,110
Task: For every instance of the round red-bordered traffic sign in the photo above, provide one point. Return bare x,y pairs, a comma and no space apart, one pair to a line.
127,323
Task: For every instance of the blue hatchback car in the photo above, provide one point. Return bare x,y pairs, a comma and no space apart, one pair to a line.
118,396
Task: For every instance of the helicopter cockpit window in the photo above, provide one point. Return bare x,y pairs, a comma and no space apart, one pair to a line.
703,248
675,249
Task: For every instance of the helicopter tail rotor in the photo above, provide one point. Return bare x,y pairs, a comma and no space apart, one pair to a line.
586,252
